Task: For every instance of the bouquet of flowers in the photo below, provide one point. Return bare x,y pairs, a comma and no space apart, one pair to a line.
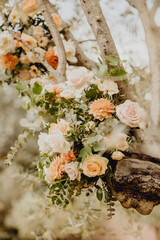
84,124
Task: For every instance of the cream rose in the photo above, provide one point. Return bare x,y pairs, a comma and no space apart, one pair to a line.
108,86
121,142
72,171
117,155
79,76
7,43
94,165
130,113
58,143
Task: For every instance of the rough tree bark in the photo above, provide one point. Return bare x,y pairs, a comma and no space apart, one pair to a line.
103,37
152,37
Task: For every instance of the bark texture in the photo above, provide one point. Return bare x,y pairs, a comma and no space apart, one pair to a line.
136,182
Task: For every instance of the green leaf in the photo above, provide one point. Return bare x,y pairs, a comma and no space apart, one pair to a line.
91,93
99,147
94,139
26,105
21,87
26,67
117,72
106,196
99,194
37,89
84,152
58,201
112,60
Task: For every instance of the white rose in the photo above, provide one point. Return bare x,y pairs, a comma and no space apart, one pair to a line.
72,171
130,113
58,143
78,76
117,155
43,143
7,43
108,86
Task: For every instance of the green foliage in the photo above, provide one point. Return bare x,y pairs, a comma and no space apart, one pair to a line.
84,152
99,194
37,89
22,87
112,60
93,92
117,72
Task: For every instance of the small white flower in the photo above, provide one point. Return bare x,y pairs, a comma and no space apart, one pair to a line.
117,155
109,86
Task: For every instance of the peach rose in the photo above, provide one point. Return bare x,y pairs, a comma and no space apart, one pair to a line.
79,76
108,86
55,170
24,59
29,5
67,93
57,19
72,171
101,108
129,113
51,58
9,61
94,165
62,125
37,32
68,157
117,155
24,75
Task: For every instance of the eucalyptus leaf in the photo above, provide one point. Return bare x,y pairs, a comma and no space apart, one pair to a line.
112,60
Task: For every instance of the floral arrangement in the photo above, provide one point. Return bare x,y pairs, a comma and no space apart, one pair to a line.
84,125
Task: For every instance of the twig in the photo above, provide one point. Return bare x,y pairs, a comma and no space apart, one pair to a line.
103,36
154,8
83,60
44,6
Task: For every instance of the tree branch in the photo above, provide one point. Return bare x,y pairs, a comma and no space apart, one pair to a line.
44,6
154,8
152,36
103,36
83,60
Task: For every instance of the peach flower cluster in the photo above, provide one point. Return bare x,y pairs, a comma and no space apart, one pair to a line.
94,165
130,113
108,86
60,165
101,108
9,61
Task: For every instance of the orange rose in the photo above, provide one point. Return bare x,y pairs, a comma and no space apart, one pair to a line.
9,61
29,5
94,165
51,58
101,108
68,157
